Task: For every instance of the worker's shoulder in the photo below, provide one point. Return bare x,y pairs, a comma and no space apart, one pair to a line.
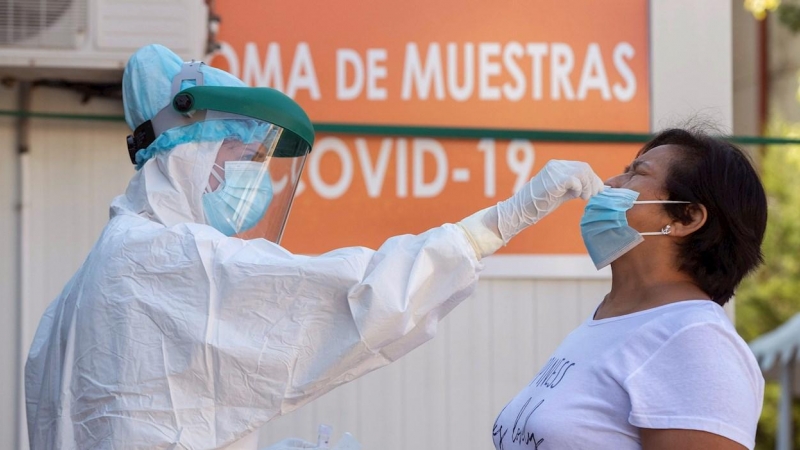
134,237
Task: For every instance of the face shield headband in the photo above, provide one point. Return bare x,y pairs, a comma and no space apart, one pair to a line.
200,103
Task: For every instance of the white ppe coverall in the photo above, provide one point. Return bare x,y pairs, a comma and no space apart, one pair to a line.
173,335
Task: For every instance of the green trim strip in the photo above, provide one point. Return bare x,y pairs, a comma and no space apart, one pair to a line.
478,133
452,132
64,116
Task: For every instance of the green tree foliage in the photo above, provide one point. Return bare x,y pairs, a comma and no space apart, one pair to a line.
789,15
771,296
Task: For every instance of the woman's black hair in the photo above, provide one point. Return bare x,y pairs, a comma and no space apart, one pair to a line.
718,175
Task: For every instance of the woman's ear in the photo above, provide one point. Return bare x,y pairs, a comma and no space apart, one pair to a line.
697,218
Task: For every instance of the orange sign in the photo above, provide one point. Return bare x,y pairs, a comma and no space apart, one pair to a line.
578,65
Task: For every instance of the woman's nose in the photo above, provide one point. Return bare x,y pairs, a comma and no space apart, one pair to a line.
615,181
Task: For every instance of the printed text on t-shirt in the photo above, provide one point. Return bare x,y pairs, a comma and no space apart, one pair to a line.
551,375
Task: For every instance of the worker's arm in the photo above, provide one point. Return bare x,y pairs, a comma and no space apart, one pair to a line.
285,329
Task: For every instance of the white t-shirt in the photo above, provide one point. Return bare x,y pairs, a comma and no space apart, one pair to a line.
680,365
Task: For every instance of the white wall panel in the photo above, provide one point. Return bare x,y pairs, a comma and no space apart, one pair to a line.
8,271
691,62
75,169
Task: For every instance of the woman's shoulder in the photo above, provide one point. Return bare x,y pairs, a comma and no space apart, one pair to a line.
697,328
692,313
694,326
689,369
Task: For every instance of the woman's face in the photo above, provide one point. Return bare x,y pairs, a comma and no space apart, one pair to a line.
647,175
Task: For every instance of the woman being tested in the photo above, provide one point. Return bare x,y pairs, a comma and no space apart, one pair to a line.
658,366
188,326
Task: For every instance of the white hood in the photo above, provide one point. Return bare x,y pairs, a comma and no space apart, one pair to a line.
169,187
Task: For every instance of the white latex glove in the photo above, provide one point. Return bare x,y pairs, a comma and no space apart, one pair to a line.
557,182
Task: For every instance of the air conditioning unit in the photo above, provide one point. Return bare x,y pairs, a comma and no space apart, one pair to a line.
91,40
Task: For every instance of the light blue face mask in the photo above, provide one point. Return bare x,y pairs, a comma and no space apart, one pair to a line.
241,199
605,229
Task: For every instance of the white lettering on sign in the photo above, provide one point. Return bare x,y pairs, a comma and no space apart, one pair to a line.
320,186
623,52
420,76
422,188
374,174
561,62
487,68
487,147
537,52
594,74
519,157
486,71
347,58
269,74
349,61
427,175
375,72
464,91
512,53
302,75
402,168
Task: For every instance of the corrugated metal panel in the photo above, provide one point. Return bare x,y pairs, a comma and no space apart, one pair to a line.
129,24
8,285
42,23
72,184
76,168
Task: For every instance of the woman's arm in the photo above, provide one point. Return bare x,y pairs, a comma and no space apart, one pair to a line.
701,389
669,439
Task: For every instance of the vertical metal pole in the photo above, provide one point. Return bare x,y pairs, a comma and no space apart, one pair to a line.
763,75
785,432
22,141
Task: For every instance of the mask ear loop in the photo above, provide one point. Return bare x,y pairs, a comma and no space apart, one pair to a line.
667,228
216,171
664,231
650,202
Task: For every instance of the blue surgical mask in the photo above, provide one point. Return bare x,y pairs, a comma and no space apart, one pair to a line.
241,199
604,225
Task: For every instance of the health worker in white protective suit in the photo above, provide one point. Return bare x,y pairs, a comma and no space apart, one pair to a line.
188,326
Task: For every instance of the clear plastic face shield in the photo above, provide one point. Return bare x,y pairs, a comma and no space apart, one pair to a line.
253,179
251,147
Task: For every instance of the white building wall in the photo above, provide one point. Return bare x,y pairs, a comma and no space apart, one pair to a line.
74,170
444,395
8,287
691,62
